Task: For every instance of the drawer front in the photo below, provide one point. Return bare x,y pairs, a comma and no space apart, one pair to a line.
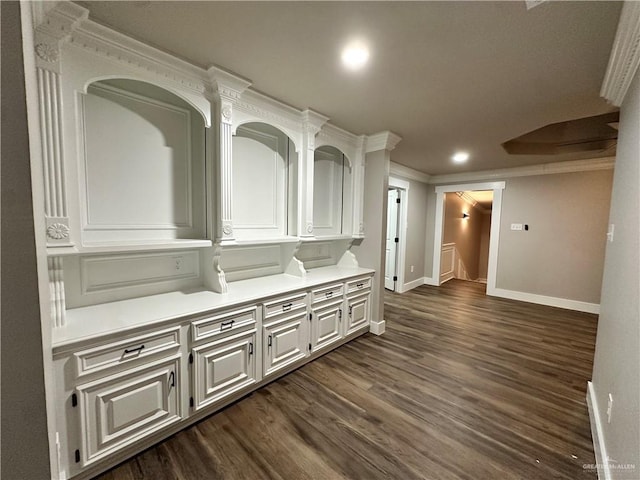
286,304
359,284
126,352
122,409
358,308
223,324
326,326
285,342
328,293
224,367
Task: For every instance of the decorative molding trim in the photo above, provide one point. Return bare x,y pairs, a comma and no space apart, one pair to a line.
413,284
382,141
47,52
348,260
545,300
625,55
377,328
592,164
470,186
599,447
58,231
448,251
56,291
407,172
226,85
473,202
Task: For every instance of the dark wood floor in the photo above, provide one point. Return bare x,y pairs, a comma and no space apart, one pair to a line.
461,386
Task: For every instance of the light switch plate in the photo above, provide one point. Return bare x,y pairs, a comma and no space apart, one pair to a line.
516,226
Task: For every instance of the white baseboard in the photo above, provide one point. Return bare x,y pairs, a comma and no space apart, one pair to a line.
544,300
413,284
377,328
599,449
431,281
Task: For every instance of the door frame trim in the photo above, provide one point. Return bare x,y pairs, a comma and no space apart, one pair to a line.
494,235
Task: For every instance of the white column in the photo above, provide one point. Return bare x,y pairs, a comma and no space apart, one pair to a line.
311,124
227,90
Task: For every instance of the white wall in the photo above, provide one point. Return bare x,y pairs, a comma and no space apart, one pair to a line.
616,367
25,451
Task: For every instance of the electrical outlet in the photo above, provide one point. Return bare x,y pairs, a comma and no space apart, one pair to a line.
612,228
411,268
609,408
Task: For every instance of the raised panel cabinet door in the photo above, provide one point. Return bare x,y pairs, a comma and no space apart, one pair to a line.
285,342
224,367
119,410
325,326
357,312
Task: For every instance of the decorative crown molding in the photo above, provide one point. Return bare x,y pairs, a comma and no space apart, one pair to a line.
528,171
625,55
313,120
407,172
227,85
382,141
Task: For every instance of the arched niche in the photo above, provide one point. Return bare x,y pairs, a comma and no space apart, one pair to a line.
332,192
264,172
143,165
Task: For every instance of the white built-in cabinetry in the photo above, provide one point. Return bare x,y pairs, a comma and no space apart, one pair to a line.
198,236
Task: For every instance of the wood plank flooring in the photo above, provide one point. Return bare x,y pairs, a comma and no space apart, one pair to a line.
461,386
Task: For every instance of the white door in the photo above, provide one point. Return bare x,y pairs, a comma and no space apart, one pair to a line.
392,234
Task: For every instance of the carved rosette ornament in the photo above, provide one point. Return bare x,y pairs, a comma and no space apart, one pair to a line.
57,231
226,112
309,228
47,52
227,230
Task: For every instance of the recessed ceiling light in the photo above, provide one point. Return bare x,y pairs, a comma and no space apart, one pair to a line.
355,55
460,157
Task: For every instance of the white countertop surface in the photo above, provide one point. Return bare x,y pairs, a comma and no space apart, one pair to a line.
87,323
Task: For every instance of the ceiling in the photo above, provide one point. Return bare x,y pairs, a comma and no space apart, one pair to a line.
445,76
484,198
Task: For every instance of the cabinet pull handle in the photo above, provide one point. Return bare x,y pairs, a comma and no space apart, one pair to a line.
172,380
329,294
360,285
269,341
251,348
226,325
131,350
340,314
286,307
350,309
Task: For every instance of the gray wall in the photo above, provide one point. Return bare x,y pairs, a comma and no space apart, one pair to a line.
25,451
371,250
465,233
562,254
616,367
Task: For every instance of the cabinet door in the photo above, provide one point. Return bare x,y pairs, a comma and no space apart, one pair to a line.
119,410
285,342
325,326
358,308
224,367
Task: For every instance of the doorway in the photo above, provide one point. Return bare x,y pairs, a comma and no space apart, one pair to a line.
466,234
494,236
395,249
393,239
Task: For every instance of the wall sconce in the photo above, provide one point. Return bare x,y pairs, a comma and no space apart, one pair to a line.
465,216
